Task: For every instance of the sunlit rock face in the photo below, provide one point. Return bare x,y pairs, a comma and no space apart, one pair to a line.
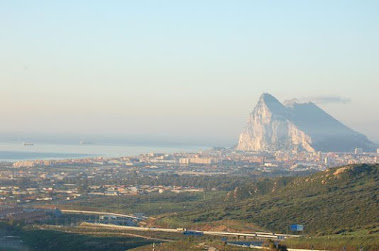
295,126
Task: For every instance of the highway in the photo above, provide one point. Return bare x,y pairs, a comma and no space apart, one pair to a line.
262,235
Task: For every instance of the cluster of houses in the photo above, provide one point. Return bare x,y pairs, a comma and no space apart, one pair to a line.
16,194
27,215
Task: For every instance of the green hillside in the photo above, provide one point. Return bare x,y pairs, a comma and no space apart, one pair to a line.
337,200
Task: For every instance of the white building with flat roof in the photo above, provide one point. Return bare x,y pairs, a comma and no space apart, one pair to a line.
358,150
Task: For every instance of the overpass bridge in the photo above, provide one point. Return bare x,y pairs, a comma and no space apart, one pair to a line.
84,212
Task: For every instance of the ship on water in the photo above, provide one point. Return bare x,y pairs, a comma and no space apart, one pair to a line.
84,142
28,144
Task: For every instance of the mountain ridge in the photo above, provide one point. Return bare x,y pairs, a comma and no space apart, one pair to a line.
346,192
337,200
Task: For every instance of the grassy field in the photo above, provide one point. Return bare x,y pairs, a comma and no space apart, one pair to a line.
352,241
198,244
64,239
149,204
57,240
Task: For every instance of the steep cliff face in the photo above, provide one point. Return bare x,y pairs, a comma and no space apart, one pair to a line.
273,126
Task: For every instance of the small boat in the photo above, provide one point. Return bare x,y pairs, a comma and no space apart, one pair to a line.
84,142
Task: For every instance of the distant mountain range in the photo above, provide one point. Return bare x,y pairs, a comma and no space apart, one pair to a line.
274,126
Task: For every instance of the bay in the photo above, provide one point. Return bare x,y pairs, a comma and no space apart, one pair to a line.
14,151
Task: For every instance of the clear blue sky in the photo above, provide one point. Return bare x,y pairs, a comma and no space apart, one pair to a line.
183,69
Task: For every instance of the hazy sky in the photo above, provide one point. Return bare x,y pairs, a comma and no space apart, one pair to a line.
183,69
